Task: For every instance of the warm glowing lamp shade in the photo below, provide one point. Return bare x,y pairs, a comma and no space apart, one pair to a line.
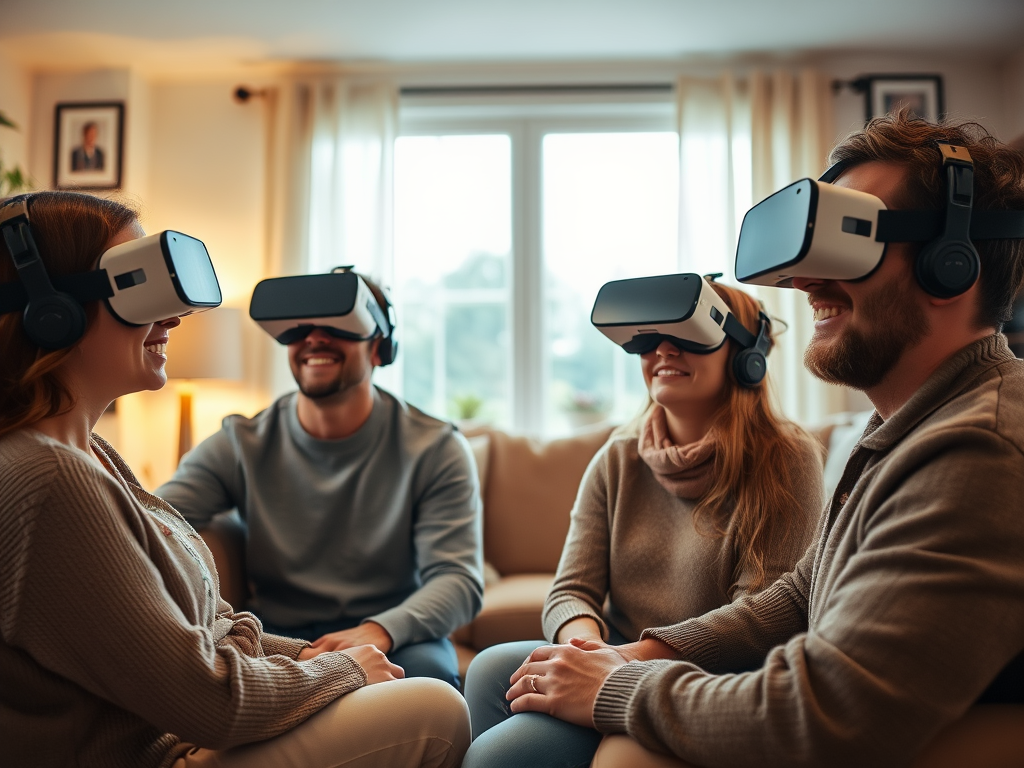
207,345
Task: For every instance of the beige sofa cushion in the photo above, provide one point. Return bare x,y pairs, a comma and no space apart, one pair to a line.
530,491
511,612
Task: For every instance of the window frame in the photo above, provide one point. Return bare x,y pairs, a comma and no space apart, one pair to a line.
526,119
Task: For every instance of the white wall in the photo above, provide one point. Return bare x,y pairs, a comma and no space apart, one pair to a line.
206,177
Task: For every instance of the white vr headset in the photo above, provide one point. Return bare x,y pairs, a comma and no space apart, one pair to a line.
813,229
168,274
339,302
640,313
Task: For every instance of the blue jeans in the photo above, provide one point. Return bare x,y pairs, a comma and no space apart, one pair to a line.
526,740
431,658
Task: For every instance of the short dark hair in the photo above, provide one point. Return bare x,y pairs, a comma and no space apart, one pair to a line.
908,141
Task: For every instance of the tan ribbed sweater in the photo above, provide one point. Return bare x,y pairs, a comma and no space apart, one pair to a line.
634,558
909,607
115,648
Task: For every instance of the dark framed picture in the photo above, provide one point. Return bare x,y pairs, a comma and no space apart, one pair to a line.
87,145
887,93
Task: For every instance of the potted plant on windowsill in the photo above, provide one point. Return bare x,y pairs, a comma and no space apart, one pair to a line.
465,409
12,180
585,409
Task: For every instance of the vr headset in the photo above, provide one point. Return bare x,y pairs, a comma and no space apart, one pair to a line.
813,229
142,281
640,313
339,302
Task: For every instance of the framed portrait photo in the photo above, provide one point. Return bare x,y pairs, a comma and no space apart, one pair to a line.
87,145
921,93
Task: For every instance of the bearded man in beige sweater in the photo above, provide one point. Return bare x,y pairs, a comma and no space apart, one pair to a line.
910,608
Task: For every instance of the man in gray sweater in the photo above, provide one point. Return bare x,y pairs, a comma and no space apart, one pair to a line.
910,608
362,512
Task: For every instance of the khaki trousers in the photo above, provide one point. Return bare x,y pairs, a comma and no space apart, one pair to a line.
412,722
988,736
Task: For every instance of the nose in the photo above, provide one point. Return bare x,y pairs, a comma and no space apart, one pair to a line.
667,349
807,284
170,322
318,336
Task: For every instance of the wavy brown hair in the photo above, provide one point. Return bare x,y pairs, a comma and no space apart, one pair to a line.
755,451
907,141
71,231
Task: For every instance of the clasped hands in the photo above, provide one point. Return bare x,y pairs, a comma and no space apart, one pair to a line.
367,644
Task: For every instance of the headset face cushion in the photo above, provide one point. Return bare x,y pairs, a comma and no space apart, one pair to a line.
643,343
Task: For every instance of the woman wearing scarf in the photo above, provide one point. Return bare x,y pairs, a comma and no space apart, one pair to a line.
706,497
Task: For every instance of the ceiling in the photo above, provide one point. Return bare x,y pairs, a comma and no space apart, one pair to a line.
48,33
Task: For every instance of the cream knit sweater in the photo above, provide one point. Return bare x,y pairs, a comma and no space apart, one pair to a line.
115,647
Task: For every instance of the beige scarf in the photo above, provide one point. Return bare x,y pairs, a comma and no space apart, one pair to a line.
684,470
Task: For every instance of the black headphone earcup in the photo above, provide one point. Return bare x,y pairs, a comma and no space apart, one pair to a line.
387,350
54,322
947,268
749,366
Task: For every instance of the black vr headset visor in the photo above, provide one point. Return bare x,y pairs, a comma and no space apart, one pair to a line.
640,313
340,303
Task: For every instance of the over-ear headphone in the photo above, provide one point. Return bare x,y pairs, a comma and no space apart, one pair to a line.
750,364
51,319
387,349
949,265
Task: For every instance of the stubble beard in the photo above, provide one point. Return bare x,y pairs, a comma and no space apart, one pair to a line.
862,357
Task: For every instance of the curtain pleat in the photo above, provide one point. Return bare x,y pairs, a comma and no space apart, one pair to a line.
330,185
741,139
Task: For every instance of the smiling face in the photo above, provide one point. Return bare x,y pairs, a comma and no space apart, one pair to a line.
324,365
685,383
115,359
861,329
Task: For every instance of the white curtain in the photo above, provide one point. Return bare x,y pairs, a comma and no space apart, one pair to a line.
330,183
741,139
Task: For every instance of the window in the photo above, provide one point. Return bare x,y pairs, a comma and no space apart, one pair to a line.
508,219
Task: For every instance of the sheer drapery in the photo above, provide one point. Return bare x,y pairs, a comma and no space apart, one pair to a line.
330,183
741,139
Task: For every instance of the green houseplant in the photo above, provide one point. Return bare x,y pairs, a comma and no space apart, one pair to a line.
12,180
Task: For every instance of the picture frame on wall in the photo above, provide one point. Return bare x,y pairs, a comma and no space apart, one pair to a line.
88,145
887,93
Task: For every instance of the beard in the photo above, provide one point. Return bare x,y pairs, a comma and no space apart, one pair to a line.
861,357
321,389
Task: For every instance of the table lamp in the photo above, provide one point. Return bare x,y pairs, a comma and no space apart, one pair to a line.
207,345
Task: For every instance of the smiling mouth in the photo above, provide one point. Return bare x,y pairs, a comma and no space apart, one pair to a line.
824,313
666,372
157,349
319,361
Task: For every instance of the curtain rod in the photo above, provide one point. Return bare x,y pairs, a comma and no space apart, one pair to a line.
492,90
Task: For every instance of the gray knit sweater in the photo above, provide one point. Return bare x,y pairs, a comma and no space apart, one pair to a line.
115,647
910,606
635,559
384,524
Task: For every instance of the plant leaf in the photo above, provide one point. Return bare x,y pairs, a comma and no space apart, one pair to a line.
5,121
